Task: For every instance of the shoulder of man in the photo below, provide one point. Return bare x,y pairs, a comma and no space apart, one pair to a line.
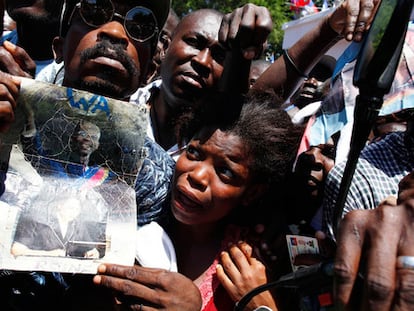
153,183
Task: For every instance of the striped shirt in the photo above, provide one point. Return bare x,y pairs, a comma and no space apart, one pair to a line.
379,169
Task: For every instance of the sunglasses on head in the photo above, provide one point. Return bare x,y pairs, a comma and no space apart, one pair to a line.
139,22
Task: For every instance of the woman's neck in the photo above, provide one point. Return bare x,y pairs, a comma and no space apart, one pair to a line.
200,233
196,248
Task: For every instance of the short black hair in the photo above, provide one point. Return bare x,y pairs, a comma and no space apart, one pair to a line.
270,136
260,122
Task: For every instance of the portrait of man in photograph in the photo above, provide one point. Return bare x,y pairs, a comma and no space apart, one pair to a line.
62,228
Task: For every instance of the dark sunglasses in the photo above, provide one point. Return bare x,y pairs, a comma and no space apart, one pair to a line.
139,22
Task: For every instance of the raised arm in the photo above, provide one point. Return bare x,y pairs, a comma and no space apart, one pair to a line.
349,21
244,32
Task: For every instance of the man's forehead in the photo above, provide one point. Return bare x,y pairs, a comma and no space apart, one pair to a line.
208,25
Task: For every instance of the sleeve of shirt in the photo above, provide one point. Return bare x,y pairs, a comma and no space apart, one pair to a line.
25,232
332,184
153,184
358,196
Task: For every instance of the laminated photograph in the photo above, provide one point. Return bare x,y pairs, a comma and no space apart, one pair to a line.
72,160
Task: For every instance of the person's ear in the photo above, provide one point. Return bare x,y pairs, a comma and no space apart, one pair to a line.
57,46
253,193
165,44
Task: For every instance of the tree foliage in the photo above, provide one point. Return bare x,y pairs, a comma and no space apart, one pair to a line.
279,9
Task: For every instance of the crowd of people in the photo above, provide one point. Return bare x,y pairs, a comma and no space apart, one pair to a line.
230,167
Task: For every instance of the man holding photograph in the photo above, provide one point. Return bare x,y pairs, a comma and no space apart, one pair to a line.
107,48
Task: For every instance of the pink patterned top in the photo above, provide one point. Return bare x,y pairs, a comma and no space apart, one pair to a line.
214,296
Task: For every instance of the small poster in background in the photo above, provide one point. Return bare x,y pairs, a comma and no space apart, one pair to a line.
299,244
